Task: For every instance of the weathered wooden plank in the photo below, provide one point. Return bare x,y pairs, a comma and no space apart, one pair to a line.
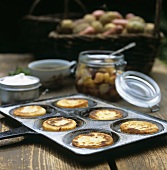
152,155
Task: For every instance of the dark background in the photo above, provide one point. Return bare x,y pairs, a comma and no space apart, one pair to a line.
12,12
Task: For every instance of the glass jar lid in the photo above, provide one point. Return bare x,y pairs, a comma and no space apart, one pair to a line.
138,89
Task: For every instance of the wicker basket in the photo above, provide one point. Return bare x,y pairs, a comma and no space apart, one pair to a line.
141,58
36,27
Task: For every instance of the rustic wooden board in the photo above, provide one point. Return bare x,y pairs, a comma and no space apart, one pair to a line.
35,152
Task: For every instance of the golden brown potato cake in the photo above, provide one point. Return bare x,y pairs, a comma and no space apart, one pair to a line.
59,124
105,114
29,111
139,127
72,103
92,140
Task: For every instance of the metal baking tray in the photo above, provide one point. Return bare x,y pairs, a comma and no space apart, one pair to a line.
84,123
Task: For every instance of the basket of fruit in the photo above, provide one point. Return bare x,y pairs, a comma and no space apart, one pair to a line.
109,30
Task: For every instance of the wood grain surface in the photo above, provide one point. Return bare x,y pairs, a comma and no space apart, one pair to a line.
38,153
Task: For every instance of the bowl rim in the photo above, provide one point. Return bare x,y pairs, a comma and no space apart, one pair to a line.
5,85
67,64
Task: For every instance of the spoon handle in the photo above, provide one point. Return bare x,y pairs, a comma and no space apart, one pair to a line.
124,48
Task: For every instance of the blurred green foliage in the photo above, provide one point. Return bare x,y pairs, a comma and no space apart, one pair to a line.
19,70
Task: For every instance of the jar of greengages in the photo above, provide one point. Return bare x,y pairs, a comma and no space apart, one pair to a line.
96,73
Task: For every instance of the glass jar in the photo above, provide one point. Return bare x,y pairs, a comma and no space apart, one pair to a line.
96,73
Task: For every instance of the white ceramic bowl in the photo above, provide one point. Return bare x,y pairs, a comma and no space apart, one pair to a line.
51,72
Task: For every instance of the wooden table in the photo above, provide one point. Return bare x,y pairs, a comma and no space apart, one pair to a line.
36,152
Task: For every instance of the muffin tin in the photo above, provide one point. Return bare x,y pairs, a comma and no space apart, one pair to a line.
33,125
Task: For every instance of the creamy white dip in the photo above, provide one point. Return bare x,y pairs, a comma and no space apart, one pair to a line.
19,79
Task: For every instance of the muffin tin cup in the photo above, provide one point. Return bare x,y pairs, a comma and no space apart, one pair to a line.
33,125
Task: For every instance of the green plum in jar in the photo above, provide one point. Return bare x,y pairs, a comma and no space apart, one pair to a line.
96,73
